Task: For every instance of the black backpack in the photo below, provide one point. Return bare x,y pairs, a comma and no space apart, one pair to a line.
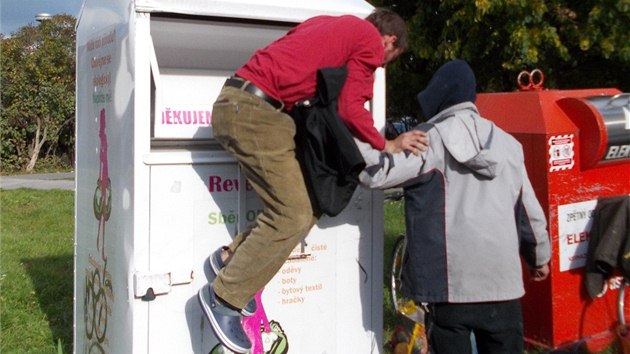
329,158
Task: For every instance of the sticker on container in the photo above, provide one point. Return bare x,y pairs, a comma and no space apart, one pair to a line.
184,121
184,111
561,155
615,152
574,227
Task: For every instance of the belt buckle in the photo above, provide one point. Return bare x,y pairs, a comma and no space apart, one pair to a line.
245,83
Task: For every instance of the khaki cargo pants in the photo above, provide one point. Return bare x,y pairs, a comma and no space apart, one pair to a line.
261,139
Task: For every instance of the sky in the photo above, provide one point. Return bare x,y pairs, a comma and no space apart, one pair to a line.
15,14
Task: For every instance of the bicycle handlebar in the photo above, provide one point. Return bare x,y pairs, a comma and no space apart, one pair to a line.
394,194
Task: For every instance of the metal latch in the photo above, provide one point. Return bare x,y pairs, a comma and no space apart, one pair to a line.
148,285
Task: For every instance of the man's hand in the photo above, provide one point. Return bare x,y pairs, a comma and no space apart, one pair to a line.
415,141
540,273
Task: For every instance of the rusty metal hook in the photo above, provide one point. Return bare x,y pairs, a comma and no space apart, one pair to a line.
532,80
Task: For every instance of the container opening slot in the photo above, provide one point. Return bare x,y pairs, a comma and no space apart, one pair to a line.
191,57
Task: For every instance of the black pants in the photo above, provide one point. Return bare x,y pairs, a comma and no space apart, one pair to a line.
498,327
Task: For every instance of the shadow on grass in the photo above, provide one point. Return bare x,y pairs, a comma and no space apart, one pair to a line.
52,279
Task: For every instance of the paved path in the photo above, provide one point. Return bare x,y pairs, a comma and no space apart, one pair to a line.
39,181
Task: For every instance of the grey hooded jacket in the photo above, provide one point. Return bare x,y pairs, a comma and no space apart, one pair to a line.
470,210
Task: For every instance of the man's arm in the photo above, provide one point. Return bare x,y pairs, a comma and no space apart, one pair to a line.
386,170
532,229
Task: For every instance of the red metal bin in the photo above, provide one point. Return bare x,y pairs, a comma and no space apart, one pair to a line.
577,149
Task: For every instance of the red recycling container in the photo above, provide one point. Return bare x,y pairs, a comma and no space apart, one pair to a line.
577,149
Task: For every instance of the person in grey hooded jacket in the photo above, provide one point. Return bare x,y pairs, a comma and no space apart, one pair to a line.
471,213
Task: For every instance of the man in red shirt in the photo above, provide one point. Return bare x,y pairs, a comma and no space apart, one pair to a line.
250,121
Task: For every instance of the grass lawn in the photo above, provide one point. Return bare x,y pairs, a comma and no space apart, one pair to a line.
36,270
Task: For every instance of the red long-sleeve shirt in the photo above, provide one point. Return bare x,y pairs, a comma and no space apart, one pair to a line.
287,68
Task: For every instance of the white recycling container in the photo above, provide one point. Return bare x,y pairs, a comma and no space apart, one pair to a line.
155,194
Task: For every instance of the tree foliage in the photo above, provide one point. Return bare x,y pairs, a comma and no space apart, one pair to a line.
38,93
576,44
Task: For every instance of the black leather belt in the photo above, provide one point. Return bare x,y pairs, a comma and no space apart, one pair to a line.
247,86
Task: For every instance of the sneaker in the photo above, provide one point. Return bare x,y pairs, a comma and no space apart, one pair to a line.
216,264
225,322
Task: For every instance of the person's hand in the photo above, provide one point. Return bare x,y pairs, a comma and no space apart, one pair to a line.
539,274
415,141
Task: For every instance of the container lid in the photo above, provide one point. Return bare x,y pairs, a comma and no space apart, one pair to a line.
272,10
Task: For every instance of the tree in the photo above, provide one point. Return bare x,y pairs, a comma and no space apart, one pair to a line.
577,44
38,90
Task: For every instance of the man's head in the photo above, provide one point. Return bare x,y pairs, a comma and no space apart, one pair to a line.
453,83
393,31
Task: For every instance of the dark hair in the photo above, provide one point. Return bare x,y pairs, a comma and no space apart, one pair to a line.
390,23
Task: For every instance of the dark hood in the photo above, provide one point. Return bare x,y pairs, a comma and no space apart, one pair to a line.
453,83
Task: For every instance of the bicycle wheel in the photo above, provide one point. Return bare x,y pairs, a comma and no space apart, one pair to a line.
395,273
